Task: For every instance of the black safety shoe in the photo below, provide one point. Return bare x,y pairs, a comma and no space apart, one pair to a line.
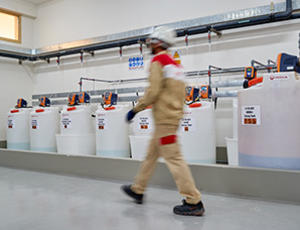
189,209
138,198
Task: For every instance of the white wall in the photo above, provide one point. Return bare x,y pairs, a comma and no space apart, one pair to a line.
20,6
27,34
28,12
16,80
68,20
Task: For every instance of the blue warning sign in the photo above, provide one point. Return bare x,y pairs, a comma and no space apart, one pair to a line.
136,63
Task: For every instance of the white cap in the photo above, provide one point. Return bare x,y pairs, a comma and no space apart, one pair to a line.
164,34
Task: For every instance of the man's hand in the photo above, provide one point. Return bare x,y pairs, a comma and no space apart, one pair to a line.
130,115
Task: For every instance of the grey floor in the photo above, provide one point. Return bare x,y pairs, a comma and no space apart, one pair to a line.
40,201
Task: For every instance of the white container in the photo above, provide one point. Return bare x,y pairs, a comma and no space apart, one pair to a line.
112,132
142,129
232,143
197,134
77,120
44,123
232,151
17,129
269,123
139,146
76,144
235,117
143,123
77,131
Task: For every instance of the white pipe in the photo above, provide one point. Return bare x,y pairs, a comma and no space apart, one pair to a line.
228,83
232,93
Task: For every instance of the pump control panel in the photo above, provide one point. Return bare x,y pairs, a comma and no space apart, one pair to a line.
192,94
250,73
73,99
204,91
110,98
44,102
21,103
84,98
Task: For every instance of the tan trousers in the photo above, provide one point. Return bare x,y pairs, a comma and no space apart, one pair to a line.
175,162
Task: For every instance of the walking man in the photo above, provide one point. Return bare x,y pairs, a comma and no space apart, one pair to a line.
166,94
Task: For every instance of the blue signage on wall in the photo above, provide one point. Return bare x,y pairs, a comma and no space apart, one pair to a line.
136,63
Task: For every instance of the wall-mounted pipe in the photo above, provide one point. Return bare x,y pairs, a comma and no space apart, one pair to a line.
90,79
258,20
212,69
218,94
108,81
14,56
227,83
271,63
268,67
223,70
92,48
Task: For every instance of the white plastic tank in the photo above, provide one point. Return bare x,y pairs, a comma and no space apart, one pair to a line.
142,129
112,131
17,129
235,118
77,131
232,143
77,120
269,123
44,123
139,146
197,133
143,123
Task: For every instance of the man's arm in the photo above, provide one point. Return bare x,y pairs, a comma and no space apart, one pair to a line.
152,92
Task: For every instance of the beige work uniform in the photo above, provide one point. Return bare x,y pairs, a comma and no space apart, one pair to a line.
166,94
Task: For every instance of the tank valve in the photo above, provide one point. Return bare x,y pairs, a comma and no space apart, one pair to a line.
186,39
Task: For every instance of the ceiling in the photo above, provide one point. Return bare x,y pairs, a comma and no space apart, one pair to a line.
37,1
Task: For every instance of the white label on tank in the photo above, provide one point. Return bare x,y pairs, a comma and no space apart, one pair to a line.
251,115
279,77
145,123
101,122
66,121
34,124
187,124
10,123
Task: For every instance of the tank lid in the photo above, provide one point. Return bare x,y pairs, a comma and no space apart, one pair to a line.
39,110
71,108
195,105
110,108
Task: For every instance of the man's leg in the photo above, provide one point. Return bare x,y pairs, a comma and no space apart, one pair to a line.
136,190
147,168
170,151
181,173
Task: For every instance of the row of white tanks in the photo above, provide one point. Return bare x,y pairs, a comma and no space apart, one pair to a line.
266,128
33,129
86,130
